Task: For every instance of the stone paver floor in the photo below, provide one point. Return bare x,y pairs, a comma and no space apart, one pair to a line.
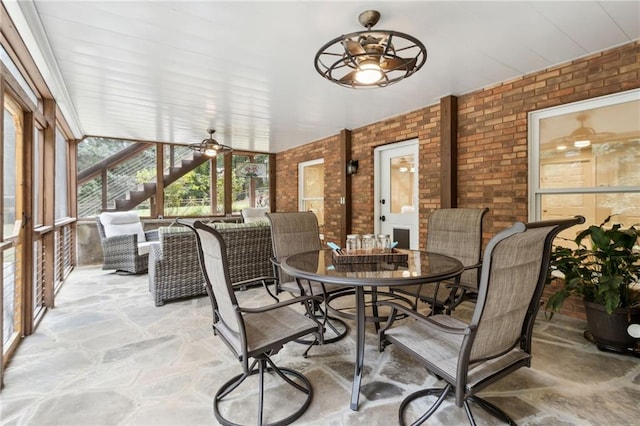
107,356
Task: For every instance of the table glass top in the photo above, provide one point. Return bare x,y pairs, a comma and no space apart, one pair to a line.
323,265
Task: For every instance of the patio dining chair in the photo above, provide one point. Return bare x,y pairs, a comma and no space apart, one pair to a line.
294,233
455,232
468,356
254,335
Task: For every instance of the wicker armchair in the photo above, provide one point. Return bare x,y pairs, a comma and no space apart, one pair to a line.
125,245
174,269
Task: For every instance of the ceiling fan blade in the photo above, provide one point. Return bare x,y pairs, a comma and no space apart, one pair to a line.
349,78
397,64
354,48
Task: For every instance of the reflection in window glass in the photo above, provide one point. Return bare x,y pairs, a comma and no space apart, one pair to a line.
587,160
311,187
250,186
9,176
402,178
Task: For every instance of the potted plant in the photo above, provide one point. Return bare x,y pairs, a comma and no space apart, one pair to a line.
603,269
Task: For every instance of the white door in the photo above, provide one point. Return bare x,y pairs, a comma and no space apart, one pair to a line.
396,192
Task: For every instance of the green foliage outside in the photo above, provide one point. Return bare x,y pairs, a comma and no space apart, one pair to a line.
93,150
189,196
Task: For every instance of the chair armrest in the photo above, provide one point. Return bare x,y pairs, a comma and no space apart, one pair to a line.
419,317
155,253
287,302
119,244
121,239
253,281
475,266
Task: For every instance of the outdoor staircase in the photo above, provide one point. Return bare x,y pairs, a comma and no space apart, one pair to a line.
129,199
148,190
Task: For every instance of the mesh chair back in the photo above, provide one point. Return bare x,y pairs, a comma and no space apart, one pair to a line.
293,233
213,260
458,233
511,276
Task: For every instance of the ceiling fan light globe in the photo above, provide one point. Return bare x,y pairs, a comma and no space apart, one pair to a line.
369,73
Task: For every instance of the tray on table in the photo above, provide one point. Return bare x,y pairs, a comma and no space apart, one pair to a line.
342,257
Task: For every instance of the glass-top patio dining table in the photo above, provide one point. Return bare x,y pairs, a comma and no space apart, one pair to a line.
418,267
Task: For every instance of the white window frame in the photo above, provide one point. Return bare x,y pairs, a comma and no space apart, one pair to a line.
534,118
301,195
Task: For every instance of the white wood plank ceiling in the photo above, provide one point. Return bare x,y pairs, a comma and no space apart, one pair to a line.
168,70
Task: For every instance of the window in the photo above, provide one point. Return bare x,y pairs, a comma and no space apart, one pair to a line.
250,176
584,160
311,188
122,174
61,209
11,280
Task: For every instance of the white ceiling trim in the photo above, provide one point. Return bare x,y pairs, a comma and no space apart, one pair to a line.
27,21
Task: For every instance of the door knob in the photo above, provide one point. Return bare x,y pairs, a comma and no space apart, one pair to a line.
383,218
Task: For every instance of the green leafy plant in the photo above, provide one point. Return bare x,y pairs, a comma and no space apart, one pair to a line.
603,269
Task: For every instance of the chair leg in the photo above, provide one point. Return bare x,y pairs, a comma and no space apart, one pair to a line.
492,409
261,391
312,344
338,328
467,410
261,366
442,392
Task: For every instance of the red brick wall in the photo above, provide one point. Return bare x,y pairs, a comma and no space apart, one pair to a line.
492,143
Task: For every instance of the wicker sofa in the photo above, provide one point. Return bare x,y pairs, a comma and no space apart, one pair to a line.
174,269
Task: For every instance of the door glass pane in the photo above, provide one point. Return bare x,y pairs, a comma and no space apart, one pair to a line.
402,179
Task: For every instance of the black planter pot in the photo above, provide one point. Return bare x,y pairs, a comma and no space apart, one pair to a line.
609,331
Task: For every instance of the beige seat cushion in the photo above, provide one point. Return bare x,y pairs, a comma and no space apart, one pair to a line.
255,214
122,223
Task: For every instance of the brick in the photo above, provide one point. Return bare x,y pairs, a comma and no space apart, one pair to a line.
492,144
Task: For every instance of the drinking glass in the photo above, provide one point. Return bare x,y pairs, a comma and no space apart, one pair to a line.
368,243
383,243
353,243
